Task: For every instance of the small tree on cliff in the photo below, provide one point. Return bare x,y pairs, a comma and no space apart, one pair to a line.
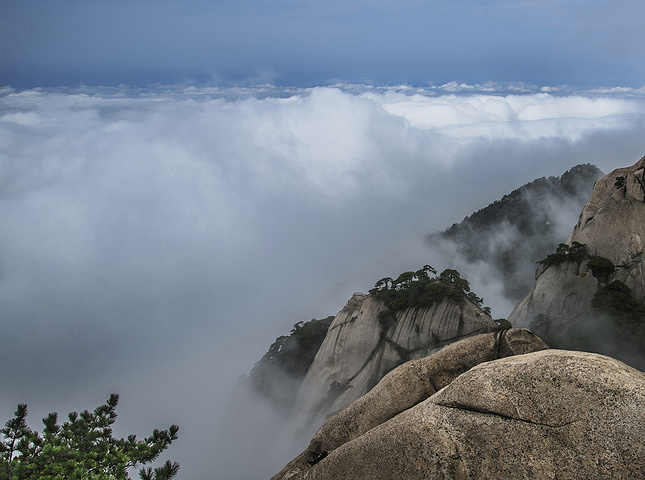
454,278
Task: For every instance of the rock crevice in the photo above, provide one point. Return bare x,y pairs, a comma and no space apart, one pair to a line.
518,418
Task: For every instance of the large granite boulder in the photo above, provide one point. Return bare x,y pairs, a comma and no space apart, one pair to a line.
408,385
541,415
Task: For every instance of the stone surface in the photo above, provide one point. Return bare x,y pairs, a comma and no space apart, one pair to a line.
408,385
358,351
612,225
542,415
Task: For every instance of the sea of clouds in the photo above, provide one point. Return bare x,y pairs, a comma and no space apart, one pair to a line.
156,241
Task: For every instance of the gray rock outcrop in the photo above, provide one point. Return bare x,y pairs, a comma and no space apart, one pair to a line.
541,415
611,225
359,350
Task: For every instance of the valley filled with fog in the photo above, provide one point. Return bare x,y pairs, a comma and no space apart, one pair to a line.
156,241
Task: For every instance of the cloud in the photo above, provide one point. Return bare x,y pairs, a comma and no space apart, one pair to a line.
156,241
511,116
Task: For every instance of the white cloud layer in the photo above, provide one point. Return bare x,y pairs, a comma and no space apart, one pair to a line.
524,117
155,242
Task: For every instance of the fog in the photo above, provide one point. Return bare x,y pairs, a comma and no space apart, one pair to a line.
156,241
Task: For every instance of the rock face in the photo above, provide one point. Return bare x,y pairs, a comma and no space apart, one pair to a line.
541,415
408,385
358,350
612,225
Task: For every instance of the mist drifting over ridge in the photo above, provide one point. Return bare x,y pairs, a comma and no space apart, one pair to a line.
156,241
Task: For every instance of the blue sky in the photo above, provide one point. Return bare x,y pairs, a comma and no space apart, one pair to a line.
300,42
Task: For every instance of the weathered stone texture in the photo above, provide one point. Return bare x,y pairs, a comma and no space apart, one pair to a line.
542,415
408,385
358,350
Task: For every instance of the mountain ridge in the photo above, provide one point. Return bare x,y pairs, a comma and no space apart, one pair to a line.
272,376
512,233
537,406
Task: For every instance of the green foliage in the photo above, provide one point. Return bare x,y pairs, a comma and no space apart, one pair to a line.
452,277
620,323
81,449
503,324
615,301
540,326
601,267
294,353
279,373
167,471
577,252
620,182
614,325
421,290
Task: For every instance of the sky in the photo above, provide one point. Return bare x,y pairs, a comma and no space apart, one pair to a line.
181,182
306,43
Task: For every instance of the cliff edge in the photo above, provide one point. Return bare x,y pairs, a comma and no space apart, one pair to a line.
360,348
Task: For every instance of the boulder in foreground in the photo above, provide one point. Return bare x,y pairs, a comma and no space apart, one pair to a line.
541,415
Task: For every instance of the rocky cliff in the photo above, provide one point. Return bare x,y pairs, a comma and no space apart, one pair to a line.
495,405
566,300
360,348
612,225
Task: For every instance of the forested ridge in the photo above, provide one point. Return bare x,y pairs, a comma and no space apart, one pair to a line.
514,232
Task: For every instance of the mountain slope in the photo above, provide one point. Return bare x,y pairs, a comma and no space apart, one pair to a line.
536,414
512,233
589,294
280,371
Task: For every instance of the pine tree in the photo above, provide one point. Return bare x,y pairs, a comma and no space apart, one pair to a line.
83,448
